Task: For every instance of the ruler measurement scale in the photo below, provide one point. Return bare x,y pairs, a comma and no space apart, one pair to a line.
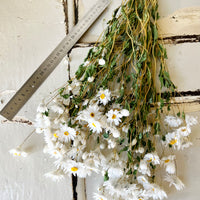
51,62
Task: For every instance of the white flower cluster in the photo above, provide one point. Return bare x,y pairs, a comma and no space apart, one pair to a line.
95,140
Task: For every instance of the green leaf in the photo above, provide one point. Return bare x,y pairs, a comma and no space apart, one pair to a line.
61,90
66,96
129,172
129,156
178,114
106,177
106,135
124,149
80,71
155,33
46,113
183,115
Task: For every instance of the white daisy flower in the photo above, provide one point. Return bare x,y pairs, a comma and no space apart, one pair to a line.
114,116
66,134
125,112
114,131
55,152
102,61
90,113
139,150
155,192
104,96
115,173
42,108
152,158
99,197
174,180
143,181
95,126
75,168
111,144
184,131
173,121
143,168
119,189
169,164
90,79
18,152
56,176
174,140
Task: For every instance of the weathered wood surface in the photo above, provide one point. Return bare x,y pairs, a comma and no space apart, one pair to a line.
29,30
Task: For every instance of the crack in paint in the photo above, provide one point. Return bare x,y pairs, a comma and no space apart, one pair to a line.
65,9
178,39
76,11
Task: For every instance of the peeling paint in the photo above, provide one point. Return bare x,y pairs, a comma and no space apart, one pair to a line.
18,120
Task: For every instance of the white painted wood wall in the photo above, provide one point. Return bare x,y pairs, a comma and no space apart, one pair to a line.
29,31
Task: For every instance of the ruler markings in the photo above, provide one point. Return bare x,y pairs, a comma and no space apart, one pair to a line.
48,65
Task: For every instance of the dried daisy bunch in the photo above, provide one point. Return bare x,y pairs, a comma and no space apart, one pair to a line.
112,119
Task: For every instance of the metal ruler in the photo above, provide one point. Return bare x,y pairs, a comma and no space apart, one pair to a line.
45,69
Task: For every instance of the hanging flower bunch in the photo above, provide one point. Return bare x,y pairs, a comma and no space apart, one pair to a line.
111,118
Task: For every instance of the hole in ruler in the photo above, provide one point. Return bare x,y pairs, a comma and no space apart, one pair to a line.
27,90
11,108
41,73
45,69
23,95
37,77
19,99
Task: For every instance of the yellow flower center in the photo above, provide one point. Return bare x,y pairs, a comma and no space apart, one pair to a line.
74,169
66,133
93,125
101,199
149,160
17,154
153,189
172,142
92,114
183,129
114,116
55,152
55,135
166,161
77,132
102,96
139,199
